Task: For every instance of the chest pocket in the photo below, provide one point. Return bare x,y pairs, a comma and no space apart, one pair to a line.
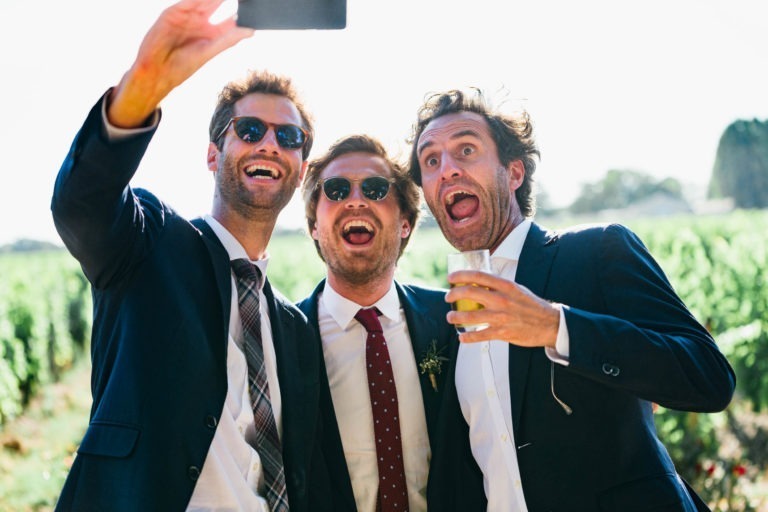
109,440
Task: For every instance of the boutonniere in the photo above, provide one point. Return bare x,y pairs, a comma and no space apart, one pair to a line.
432,363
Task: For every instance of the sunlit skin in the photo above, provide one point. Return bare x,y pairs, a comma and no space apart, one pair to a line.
254,181
180,42
458,159
361,266
472,197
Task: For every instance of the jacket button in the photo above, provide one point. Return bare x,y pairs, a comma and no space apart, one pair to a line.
611,370
193,473
211,421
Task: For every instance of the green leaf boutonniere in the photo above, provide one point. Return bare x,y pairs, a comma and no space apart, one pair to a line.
432,363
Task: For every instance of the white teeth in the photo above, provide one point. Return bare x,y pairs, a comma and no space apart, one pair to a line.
451,198
261,171
357,224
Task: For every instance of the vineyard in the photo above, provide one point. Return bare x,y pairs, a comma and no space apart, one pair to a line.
718,265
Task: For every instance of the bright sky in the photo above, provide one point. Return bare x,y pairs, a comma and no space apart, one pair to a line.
646,85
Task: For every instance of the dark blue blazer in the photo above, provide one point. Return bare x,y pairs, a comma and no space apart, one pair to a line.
425,310
161,296
632,342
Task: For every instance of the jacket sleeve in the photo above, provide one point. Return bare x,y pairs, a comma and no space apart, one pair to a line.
101,220
644,340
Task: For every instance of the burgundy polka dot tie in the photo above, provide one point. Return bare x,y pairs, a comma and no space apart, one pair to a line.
392,494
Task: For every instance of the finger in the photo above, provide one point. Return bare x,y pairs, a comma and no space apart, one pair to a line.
480,316
230,33
487,334
474,293
207,7
481,279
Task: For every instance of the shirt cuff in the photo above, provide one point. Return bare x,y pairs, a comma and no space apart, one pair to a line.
562,351
115,133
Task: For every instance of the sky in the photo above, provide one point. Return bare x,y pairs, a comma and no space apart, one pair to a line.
647,86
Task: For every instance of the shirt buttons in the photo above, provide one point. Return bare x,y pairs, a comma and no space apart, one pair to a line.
491,393
485,348
504,438
193,472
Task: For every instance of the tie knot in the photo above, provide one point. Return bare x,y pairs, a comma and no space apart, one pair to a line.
246,271
370,319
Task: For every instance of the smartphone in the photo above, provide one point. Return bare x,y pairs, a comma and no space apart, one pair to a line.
292,14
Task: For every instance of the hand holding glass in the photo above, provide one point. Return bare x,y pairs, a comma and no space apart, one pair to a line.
469,260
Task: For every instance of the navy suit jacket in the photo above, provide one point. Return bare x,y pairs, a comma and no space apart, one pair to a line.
632,342
161,295
425,310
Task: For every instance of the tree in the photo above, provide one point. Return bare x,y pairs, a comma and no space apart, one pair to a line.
741,165
620,188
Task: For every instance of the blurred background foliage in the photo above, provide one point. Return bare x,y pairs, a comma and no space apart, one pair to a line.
716,259
717,265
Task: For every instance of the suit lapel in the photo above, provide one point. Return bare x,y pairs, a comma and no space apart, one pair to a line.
221,269
309,306
333,449
288,361
533,270
423,331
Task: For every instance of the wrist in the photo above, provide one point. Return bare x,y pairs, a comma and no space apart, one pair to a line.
133,101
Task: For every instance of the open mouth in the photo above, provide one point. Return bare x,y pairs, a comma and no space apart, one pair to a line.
357,232
262,171
461,205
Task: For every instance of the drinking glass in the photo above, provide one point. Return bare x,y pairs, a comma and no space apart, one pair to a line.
469,260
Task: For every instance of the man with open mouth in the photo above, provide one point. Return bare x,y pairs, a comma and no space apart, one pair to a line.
380,411
584,335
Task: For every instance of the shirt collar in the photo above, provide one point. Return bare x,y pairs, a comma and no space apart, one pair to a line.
511,247
343,310
234,249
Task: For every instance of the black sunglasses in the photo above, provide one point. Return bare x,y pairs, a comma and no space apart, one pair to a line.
374,188
253,129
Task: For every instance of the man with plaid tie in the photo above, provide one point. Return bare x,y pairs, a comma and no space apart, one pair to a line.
380,411
205,381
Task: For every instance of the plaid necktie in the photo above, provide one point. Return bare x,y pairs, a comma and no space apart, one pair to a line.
392,496
267,441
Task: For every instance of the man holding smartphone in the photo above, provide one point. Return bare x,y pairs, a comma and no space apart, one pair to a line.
206,382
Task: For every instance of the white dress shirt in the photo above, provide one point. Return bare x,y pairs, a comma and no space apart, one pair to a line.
482,383
232,478
344,341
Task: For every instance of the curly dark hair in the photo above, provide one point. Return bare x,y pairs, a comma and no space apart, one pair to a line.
513,135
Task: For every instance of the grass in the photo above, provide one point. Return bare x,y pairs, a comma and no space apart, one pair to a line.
37,448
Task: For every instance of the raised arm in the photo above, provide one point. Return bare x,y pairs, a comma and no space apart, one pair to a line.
179,43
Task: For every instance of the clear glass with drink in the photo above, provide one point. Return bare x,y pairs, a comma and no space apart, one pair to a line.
469,260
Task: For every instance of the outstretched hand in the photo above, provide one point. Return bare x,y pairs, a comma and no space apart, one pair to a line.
513,313
179,43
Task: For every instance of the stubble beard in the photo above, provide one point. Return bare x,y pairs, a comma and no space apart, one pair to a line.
245,202
362,269
495,212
